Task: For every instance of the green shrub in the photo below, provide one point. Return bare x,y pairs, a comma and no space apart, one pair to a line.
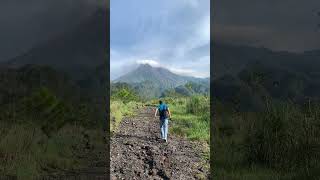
125,95
25,151
197,105
283,137
283,140
118,110
193,125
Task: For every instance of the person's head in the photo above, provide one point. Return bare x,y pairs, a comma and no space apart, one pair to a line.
160,102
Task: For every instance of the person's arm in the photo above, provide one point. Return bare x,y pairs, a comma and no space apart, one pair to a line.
169,113
155,114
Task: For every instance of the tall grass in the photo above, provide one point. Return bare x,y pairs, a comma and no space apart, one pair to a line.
190,117
42,134
281,142
119,110
27,152
284,137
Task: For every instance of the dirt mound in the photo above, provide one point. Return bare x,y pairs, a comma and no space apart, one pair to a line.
138,153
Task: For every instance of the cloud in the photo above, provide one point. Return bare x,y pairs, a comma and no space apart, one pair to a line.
150,62
199,68
176,70
266,36
25,24
289,25
186,72
170,34
204,30
192,3
242,33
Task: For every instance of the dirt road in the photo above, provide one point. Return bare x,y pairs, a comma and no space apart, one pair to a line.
138,153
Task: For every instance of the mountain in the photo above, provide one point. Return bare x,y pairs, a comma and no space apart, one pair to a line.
161,76
188,89
247,76
231,59
74,51
16,83
154,81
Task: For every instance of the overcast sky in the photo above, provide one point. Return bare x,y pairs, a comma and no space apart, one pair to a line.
289,25
172,34
26,23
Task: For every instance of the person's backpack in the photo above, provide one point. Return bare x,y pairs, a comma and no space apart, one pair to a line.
163,112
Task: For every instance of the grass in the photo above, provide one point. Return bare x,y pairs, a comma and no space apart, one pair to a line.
189,119
26,152
190,126
42,134
281,142
253,173
188,123
119,110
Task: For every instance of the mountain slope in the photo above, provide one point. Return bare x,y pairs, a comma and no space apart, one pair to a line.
152,82
231,59
160,76
248,76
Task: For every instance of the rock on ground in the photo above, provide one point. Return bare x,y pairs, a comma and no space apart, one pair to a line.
138,153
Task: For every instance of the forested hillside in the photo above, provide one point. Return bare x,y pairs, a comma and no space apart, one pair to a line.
53,104
266,114
154,82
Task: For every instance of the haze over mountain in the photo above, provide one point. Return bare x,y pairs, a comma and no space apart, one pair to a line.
176,34
162,76
24,24
247,75
231,59
288,25
80,49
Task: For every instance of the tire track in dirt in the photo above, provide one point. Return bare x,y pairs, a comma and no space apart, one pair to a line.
138,153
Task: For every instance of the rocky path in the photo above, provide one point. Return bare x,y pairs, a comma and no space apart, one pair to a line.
138,153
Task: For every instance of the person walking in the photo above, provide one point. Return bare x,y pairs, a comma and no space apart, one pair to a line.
165,115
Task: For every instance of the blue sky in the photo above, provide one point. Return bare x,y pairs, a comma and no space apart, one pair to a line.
174,34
